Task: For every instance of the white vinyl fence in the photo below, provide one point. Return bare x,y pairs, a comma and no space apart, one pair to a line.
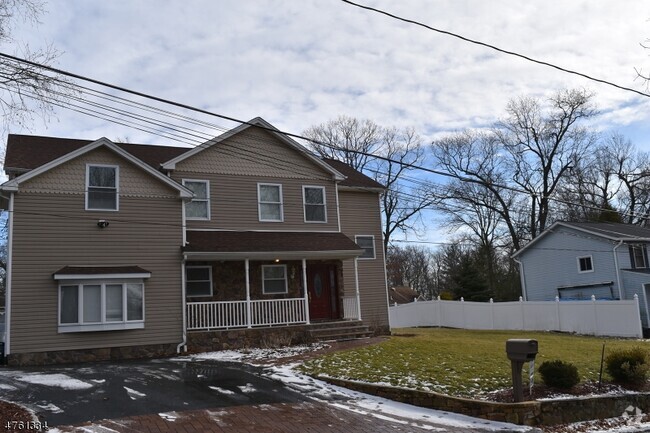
610,318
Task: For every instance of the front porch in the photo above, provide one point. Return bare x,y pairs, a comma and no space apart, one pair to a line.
216,315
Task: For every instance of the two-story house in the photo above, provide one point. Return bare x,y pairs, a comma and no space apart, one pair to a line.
575,261
124,250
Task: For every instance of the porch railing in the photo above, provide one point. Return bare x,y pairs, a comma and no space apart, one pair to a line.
350,308
234,314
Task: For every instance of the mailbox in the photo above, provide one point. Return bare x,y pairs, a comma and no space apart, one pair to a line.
521,350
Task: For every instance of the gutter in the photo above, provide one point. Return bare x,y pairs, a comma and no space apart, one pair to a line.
618,271
183,344
522,277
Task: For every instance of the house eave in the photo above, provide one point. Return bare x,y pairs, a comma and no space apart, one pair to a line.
272,255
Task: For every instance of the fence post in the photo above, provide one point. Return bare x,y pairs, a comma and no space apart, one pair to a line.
492,314
557,312
638,315
593,302
439,307
462,309
523,316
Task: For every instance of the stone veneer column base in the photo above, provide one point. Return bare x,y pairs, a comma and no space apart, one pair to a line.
91,355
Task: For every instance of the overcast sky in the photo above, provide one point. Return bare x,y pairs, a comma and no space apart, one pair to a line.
298,63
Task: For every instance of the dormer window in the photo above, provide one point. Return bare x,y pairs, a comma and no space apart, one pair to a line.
102,187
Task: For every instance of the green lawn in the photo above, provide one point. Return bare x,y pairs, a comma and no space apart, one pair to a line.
459,362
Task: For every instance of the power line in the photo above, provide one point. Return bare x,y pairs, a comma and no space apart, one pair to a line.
495,48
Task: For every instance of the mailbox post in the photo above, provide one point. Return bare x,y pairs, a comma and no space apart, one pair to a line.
519,351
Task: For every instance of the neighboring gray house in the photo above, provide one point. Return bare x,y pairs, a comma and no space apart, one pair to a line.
574,261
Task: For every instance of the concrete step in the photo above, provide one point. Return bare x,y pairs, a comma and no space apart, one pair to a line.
340,333
336,324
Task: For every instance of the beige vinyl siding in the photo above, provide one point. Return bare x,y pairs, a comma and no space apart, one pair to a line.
233,203
53,230
253,152
361,215
70,177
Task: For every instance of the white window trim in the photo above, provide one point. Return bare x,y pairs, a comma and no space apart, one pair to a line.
103,325
285,279
304,204
207,200
374,247
117,187
591,260
259,203
209,268
643,253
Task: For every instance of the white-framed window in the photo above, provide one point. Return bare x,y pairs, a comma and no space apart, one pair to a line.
198,281
313,198
102,187
638,256
199,207
101,305
367,242
585,264
274,279
269,200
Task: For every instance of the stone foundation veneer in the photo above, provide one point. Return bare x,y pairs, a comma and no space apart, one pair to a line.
206,341
91,355
545,412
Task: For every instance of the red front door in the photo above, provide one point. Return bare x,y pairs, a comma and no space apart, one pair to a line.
321,283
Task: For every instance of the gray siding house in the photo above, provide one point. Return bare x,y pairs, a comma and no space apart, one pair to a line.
125,250
575,261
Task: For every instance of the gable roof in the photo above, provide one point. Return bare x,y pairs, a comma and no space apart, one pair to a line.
12,185
615,232
257,121
27,152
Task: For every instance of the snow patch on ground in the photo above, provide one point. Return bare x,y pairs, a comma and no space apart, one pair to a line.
59,380
50,407
248,388
253,354
133,394
381,408
168,416
222,390
7,387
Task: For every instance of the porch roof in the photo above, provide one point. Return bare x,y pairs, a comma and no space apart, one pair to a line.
238,245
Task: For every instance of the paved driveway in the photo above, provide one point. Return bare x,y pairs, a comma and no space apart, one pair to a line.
160,396
73,394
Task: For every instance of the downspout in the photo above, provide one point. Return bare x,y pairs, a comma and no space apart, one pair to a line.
10,238
618,271
522,277
183,344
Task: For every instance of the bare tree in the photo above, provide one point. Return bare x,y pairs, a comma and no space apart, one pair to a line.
543,144
26,90
346,139
385,154
401,206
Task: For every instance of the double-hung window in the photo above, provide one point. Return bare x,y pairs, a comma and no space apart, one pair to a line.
101,305
269,200
314,202
638,256
199,207
368,245
274,279
198,281
102,183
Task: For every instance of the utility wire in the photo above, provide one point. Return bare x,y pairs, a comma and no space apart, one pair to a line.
495,48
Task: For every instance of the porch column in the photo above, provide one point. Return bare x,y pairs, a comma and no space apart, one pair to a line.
304,285
356,288
248,294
